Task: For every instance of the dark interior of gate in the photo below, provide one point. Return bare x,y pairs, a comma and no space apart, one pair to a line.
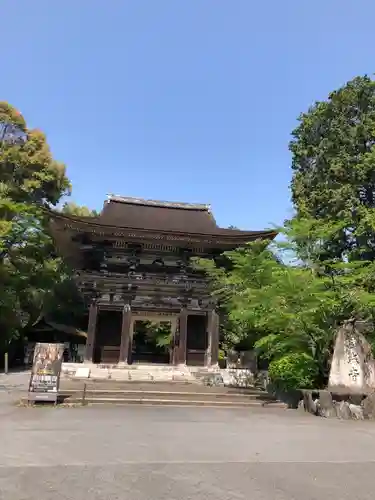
196,342
108,337
151,343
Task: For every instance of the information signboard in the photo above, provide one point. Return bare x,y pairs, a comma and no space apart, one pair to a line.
45,373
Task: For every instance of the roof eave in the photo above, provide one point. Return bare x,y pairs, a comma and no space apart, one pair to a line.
229,235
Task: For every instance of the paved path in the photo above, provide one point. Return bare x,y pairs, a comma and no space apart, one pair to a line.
154,453
13,386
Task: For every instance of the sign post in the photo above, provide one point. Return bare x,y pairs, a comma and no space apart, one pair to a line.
45,373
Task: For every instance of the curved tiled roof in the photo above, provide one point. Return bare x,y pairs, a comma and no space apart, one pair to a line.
183,220
157,215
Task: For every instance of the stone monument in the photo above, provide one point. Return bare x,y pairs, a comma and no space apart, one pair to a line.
353,366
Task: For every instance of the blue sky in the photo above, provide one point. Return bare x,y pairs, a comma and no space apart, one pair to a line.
181,100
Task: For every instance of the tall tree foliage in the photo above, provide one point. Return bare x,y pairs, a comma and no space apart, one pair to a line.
296,308
30,180
334,168
288,308
28,170
78,210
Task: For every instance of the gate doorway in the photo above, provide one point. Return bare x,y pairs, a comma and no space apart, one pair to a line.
108,337
197,341
152,341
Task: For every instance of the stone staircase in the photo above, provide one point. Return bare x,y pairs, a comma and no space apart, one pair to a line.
138,372
172,393
142,373
160,373
161,385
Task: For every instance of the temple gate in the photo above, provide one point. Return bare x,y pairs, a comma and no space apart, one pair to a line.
133,263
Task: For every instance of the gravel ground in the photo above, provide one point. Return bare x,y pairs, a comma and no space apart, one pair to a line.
144,453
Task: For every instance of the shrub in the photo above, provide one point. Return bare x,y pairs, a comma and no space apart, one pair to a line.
294,371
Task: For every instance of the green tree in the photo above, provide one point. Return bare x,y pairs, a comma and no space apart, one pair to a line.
27,167
29,273
65,303
333,191
78,210
292,307
288,308
333,162
31,180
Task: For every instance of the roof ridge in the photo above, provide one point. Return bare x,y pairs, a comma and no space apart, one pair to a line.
158,203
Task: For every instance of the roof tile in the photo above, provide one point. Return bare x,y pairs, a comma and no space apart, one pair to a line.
167,216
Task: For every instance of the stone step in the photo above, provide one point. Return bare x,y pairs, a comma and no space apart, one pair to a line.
160,373
165,395
173,402
154,386
162,393
140,367
140,376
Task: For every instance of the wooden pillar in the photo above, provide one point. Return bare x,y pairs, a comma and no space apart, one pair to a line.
91,331
209,339
182,336
130,345
215,338
125,333
212,355
174,345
